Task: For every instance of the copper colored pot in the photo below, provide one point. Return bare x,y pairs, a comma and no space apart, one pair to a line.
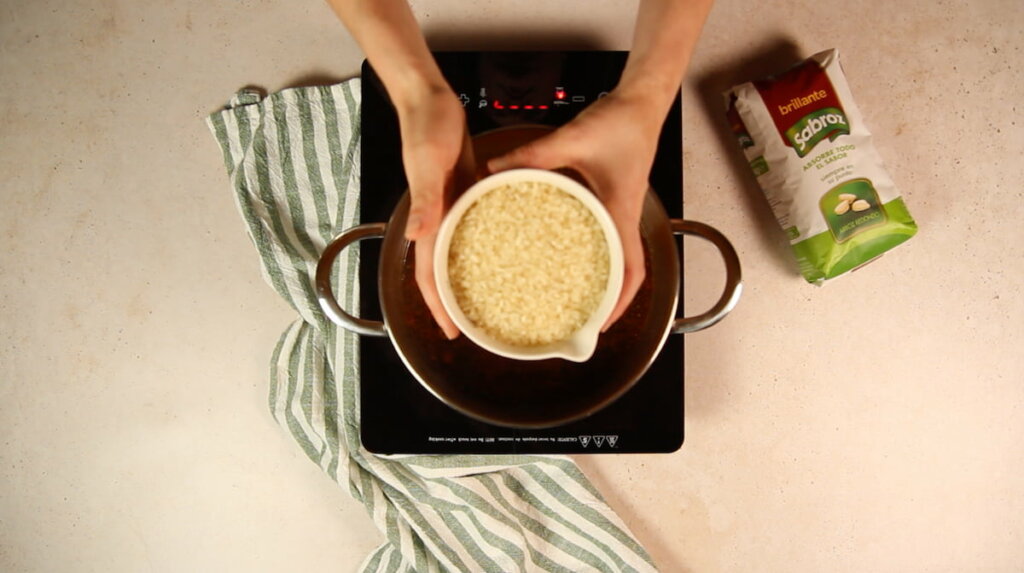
528,394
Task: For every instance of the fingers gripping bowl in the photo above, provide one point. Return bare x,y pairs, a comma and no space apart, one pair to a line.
529,265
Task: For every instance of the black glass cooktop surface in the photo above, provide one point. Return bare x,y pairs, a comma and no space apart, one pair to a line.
502,89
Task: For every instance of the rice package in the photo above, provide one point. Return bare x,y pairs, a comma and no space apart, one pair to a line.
813,157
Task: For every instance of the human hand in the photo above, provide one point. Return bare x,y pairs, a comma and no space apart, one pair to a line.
612,145
438,158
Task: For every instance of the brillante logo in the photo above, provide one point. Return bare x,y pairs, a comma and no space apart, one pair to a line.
829,122
804,106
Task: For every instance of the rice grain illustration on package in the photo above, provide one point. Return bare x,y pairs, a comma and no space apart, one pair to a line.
813,157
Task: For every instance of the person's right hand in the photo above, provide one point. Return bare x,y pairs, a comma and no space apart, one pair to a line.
438,158
612,145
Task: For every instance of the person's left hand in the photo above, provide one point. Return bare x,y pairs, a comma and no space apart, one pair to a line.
612,145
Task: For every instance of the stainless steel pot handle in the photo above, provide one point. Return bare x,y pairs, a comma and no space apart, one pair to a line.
325,295
733,277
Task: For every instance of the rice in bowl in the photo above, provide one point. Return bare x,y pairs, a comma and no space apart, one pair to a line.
528,264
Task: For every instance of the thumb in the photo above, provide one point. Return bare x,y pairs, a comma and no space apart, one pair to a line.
544,153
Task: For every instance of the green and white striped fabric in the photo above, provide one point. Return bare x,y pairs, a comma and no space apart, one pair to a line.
293,162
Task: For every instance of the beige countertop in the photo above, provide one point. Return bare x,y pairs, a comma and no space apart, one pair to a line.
874,424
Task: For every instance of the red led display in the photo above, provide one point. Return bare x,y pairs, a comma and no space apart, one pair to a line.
499,105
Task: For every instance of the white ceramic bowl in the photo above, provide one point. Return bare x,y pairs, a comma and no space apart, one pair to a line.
580,346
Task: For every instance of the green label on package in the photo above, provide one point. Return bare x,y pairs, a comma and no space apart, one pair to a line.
850,208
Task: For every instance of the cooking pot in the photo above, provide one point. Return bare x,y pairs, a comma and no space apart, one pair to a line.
519,393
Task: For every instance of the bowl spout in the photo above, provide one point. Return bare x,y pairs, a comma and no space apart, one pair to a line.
580,347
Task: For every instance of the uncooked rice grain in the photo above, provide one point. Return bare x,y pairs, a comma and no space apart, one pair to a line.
528,264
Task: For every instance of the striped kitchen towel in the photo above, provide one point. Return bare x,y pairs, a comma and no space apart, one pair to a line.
293,162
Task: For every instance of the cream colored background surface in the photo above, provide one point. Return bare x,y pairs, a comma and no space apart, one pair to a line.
874,424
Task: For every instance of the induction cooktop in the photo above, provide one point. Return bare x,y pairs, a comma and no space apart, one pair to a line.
502,89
